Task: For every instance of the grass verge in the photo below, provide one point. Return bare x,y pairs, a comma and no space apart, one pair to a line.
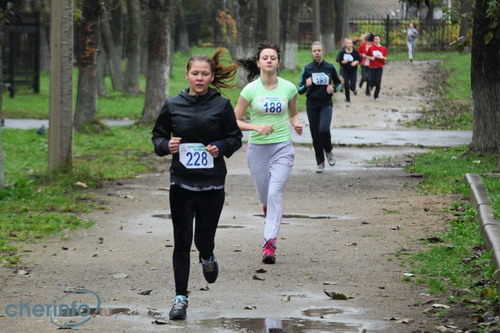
32,207
458,267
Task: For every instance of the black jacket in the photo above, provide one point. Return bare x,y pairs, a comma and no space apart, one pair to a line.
314,92
347,68
207,119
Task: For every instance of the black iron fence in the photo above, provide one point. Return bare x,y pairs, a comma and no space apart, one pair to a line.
21,54
433,34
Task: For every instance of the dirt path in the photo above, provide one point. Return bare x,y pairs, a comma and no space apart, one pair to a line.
342,232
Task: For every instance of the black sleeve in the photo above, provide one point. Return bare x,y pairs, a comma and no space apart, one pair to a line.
232,135
340,56
335,77
162,132
356,55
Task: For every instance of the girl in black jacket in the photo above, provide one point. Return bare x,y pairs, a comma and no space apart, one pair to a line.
198,127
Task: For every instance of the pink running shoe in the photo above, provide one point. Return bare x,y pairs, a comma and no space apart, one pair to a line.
268,253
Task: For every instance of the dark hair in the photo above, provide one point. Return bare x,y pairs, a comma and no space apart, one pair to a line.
250,64
223,74
369,37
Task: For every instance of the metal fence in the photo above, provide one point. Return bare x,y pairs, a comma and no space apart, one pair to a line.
433,34
21,54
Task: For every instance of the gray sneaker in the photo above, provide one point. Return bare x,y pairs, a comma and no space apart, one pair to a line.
320,167
331,158
210,269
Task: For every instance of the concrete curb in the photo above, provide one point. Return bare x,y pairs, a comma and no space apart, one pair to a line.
490,227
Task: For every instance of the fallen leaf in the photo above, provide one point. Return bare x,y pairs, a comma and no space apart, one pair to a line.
204,288
336,296
286,298
352,244
145,292
80,184
255,277
408,274
249,307
21,272
159,322
260,270
120,276
440,306
329,283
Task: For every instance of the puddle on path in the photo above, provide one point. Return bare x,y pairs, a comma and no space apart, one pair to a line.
312,217
162,216
272,325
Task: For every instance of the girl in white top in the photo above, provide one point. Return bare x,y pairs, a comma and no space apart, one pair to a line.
272,102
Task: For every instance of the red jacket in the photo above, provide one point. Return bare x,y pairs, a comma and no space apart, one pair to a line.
362,50
377,62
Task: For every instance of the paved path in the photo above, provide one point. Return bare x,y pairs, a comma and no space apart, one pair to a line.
340,136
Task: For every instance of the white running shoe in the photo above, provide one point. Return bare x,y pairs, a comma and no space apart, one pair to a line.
331,158
320,168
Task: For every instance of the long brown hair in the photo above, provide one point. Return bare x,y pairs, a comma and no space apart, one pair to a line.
223,74
250,64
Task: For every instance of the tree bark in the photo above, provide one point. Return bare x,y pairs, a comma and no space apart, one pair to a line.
2,172
143,40
117,26
261,26
290,34
101,71
182,29
61,87
341,19
43,8
327,13
316,20
273,22
112,56
132,85
86,100
245,46
161,16
485,84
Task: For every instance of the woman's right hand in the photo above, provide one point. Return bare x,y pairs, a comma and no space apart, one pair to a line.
309,82
173,145
264,129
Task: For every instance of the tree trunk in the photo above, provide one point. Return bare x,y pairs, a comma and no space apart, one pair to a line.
2,172
61,93
143,40
327,13
290,33
217,6
465,7
485,84
245,46
261,26
86,100
132,85
101,71
273,22
161,15
43,8
112,56
182,29
316,20
117,26
341,19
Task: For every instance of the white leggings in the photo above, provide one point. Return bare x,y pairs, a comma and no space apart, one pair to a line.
270,166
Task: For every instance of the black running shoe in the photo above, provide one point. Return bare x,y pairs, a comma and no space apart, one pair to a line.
210,269
179,310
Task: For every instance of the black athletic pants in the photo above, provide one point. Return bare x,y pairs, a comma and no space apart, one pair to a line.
320,118
349,84
205,208
376,79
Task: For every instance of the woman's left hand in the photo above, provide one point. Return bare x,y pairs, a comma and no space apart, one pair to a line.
329,89
213,150
298,128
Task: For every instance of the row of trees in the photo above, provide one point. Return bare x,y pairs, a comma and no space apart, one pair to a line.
99,27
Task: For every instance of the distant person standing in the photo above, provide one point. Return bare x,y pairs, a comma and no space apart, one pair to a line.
377,55
365,62
412,34
349,58
319,80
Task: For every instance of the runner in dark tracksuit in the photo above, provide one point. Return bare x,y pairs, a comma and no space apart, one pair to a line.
319,80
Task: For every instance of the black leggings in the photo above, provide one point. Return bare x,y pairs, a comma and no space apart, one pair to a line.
365,77
349,84
203,206
376,79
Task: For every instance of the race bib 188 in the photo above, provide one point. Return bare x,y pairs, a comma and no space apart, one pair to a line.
320,79
194,156
271,104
